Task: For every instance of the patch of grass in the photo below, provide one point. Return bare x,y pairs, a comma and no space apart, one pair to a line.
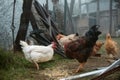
12,65
13,74
16,67
10,60
6,59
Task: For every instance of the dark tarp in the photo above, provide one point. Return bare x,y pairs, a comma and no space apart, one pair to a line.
46,37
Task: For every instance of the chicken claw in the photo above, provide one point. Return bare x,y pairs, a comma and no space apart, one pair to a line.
80,68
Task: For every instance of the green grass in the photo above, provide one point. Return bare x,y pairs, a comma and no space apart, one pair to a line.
11,65
16,67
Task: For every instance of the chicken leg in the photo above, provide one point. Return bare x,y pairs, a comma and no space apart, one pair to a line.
80,67
36,64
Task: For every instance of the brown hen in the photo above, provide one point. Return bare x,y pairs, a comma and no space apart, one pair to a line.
97,47
110,47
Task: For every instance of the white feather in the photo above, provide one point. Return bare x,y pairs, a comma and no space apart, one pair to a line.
37,53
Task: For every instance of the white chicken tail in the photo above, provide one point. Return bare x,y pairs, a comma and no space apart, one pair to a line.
23,43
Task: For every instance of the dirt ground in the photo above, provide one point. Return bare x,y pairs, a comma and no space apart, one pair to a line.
67,69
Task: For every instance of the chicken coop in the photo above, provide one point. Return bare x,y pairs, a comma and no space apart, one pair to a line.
69,16
39,22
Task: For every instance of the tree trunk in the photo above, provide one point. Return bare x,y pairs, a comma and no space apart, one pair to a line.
24,22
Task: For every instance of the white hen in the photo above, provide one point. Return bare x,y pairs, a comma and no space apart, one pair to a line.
36,53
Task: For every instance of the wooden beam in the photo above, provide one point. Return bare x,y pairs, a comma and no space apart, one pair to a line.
98,11
72,6
70,17
65,17
33,22
110,28
24,22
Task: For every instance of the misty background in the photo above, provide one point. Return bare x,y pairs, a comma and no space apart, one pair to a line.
85,13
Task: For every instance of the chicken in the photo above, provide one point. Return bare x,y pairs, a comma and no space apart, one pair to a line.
62,39
96,48
36,53
81,48
110,47
59,36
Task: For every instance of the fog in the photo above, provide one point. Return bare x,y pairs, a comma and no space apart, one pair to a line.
84,12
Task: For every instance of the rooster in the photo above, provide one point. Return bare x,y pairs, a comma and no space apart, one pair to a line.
62,39
81,48
36,53
111,47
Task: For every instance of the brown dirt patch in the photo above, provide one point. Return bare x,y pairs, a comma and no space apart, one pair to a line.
65,69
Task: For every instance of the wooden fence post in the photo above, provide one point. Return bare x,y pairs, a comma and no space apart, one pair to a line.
24,22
